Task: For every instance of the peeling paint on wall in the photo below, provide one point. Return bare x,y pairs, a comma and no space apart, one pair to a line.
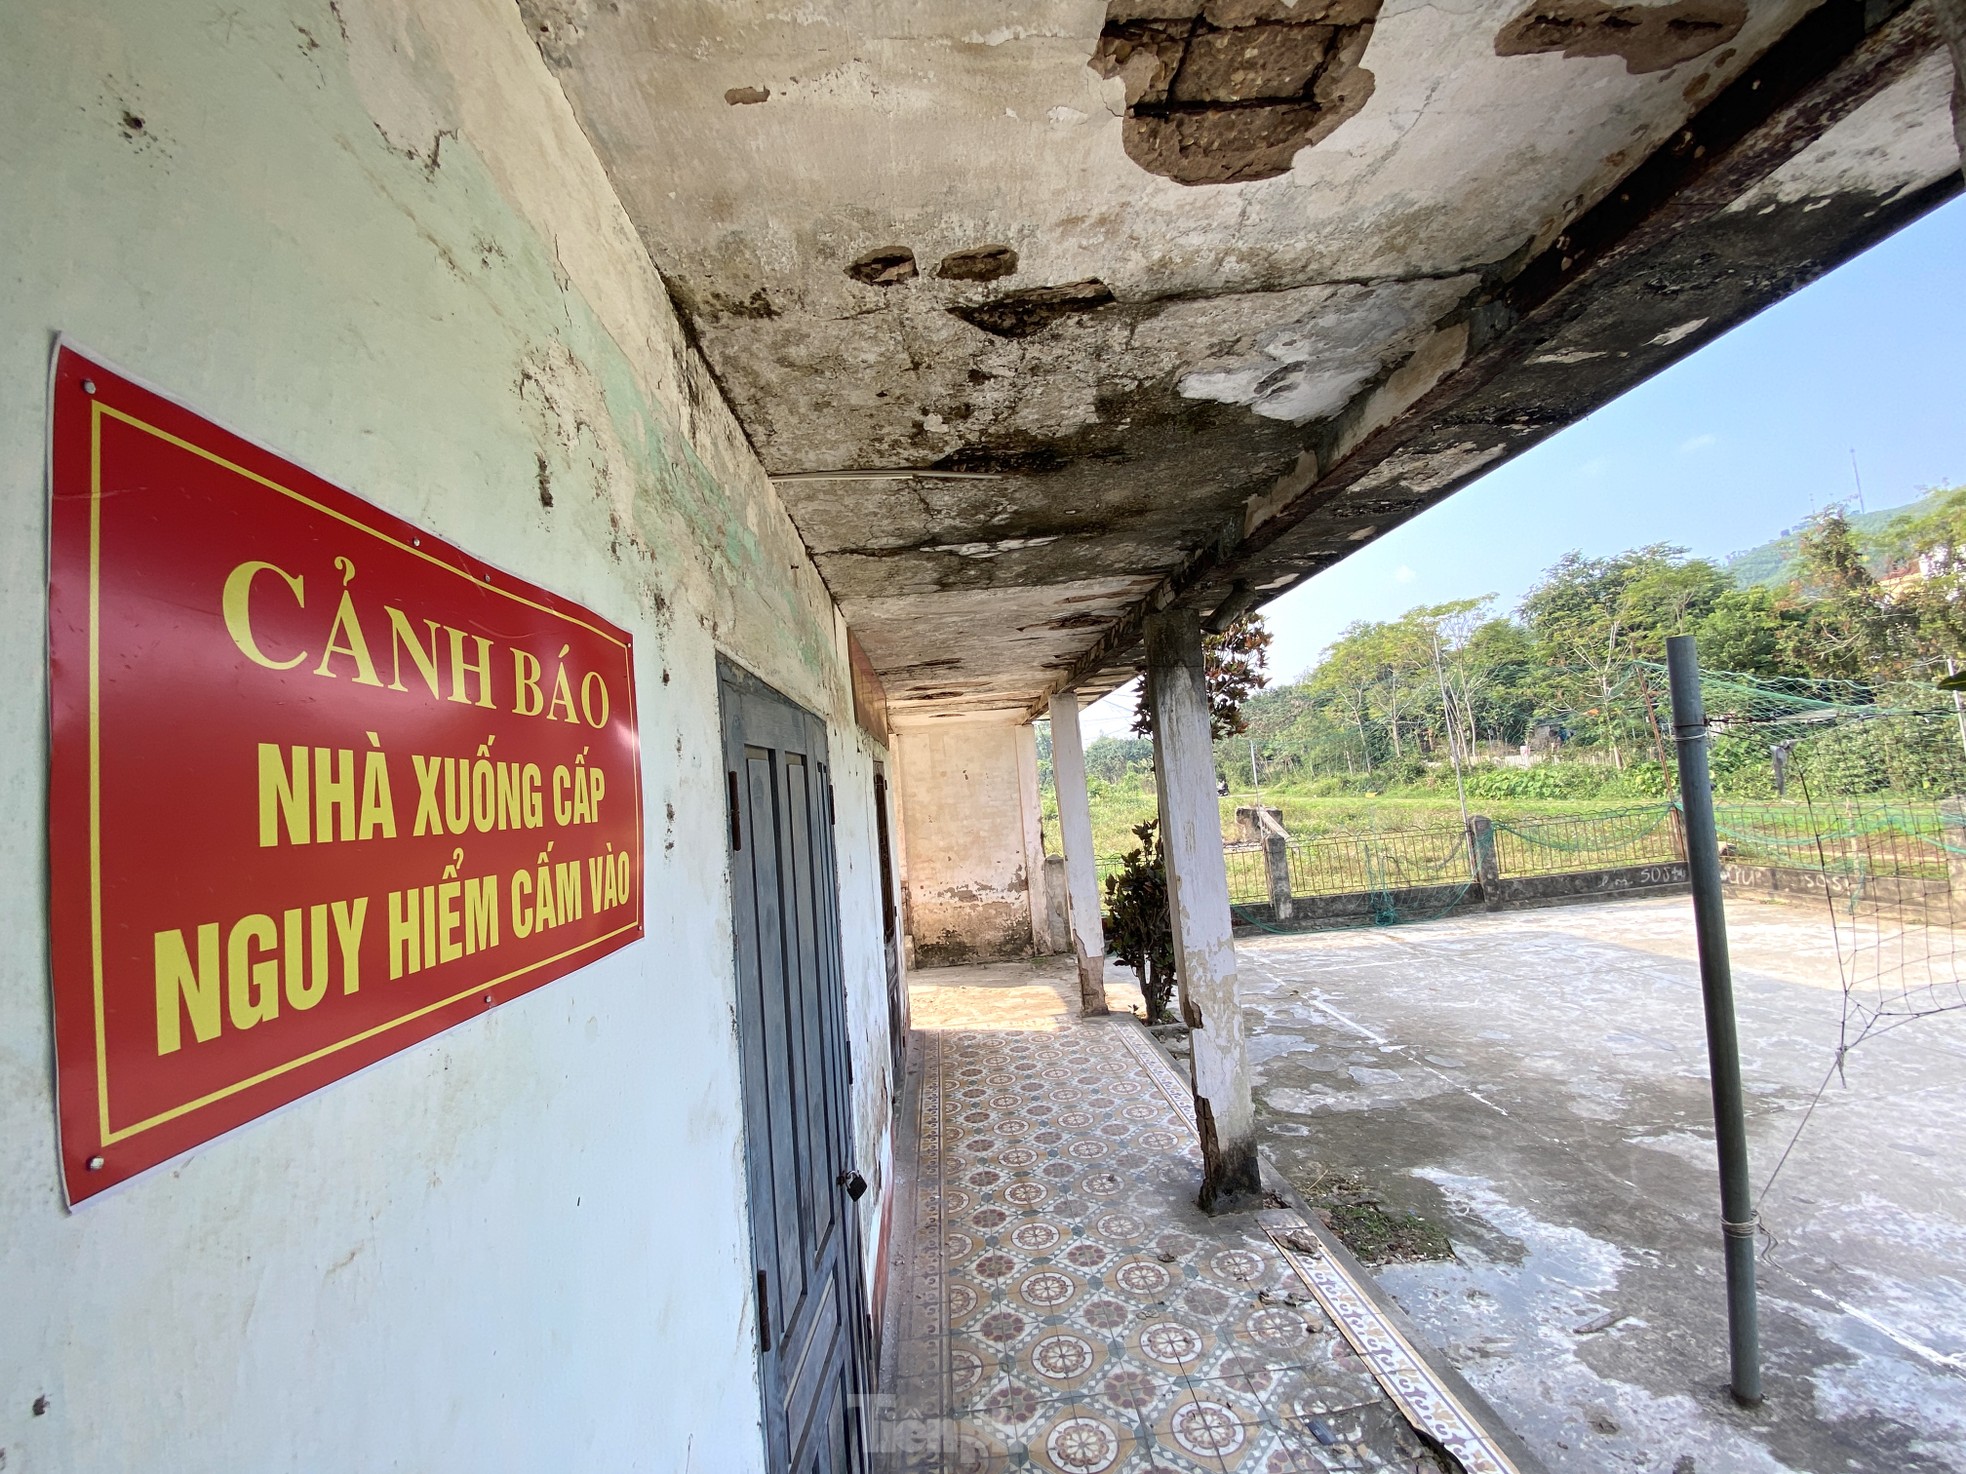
1896,142
1020,314
978,263
962,801
372,234
1127,444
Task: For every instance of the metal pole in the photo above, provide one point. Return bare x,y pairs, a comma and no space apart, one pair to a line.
1737,1216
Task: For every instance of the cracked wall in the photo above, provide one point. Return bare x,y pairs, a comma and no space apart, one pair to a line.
372,235
970,816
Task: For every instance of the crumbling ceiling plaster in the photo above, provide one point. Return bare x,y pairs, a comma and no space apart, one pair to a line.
957,236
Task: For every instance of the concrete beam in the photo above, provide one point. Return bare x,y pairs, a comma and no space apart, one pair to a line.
1081,864
1198,901
1611,300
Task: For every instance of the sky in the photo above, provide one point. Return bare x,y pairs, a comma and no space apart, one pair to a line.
1724,450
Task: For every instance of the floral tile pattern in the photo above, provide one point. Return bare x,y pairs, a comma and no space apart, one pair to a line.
1059,1303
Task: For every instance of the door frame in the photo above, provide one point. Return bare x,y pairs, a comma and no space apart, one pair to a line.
735,687
897,992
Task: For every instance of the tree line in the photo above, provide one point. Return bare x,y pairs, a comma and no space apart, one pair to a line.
1572,669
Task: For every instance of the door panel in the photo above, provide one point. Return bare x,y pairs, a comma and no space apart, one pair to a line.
774,1210
793,1046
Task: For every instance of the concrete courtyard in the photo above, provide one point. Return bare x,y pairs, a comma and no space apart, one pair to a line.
1535,1084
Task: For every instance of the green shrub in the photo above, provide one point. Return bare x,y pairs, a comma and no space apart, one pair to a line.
1139,931
1545,780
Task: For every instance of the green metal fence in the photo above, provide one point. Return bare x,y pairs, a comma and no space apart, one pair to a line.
1341,864
1868,838
1249,877
1873,839
1647,835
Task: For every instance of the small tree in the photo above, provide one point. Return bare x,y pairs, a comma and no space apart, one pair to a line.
1138,929
1235,666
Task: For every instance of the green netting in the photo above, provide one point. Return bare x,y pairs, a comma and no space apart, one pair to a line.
1387,908
1591,833
1769,738
1845,780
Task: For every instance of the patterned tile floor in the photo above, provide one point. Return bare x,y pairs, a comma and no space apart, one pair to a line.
1057,1301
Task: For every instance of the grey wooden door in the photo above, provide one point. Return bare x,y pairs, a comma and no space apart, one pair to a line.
812,1329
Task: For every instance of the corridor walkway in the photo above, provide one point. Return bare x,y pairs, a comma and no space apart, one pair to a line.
1058,1302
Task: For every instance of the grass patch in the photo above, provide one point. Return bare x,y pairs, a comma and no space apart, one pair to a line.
1376,1234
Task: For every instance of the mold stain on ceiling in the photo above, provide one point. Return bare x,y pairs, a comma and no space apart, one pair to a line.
1139,271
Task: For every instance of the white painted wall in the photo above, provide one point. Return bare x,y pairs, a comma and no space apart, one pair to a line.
970,805
372,236
857,843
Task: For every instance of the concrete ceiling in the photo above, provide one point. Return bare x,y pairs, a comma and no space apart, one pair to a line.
1183,300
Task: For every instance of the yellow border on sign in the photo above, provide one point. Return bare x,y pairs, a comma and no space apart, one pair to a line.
327,1049
95,758
307,501
109,1136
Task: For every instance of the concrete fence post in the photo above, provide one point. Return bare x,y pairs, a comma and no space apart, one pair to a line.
1276,864
1952,834
1259,824
1488,867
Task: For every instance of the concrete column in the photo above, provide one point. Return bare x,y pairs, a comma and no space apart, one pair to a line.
1951,16
1030,807
1081,864
898,837
1952,834
1182,1007
1198,899
1488,865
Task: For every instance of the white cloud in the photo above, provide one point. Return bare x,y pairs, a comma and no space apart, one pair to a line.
1403,574
1697,443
